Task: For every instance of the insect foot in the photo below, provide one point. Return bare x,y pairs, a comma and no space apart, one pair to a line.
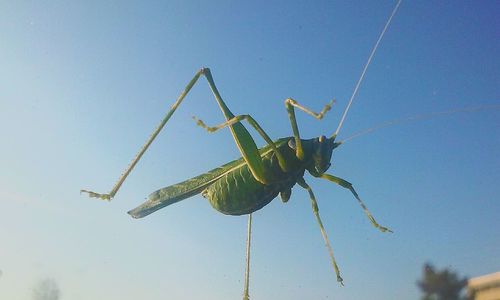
378,226
325,109
91,194
203,125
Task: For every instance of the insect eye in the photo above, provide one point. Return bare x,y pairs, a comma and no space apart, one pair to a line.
322,139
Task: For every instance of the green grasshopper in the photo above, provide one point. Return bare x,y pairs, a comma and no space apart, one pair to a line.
246,185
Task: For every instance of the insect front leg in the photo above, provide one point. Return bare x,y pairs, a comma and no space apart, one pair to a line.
315,209
345,184
290,104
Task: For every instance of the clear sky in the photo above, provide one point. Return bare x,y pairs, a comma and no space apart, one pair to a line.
83,84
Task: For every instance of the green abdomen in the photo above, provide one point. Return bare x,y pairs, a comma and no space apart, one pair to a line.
239,193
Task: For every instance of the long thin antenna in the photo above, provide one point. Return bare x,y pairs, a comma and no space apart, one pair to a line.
365,68
421,117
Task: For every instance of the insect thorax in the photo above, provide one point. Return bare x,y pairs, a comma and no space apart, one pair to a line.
238,192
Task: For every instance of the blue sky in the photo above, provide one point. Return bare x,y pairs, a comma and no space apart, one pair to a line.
83,84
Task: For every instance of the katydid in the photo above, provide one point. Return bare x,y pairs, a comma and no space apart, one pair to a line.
246,185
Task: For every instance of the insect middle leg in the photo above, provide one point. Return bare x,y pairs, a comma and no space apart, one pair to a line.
254,124
315,209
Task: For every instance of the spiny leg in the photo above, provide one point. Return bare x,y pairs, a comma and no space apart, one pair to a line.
246,295
138,156
345,184
254,124
315,209
290,104
242,137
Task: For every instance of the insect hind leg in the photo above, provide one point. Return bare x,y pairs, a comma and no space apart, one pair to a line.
254,124
246,295
244,141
